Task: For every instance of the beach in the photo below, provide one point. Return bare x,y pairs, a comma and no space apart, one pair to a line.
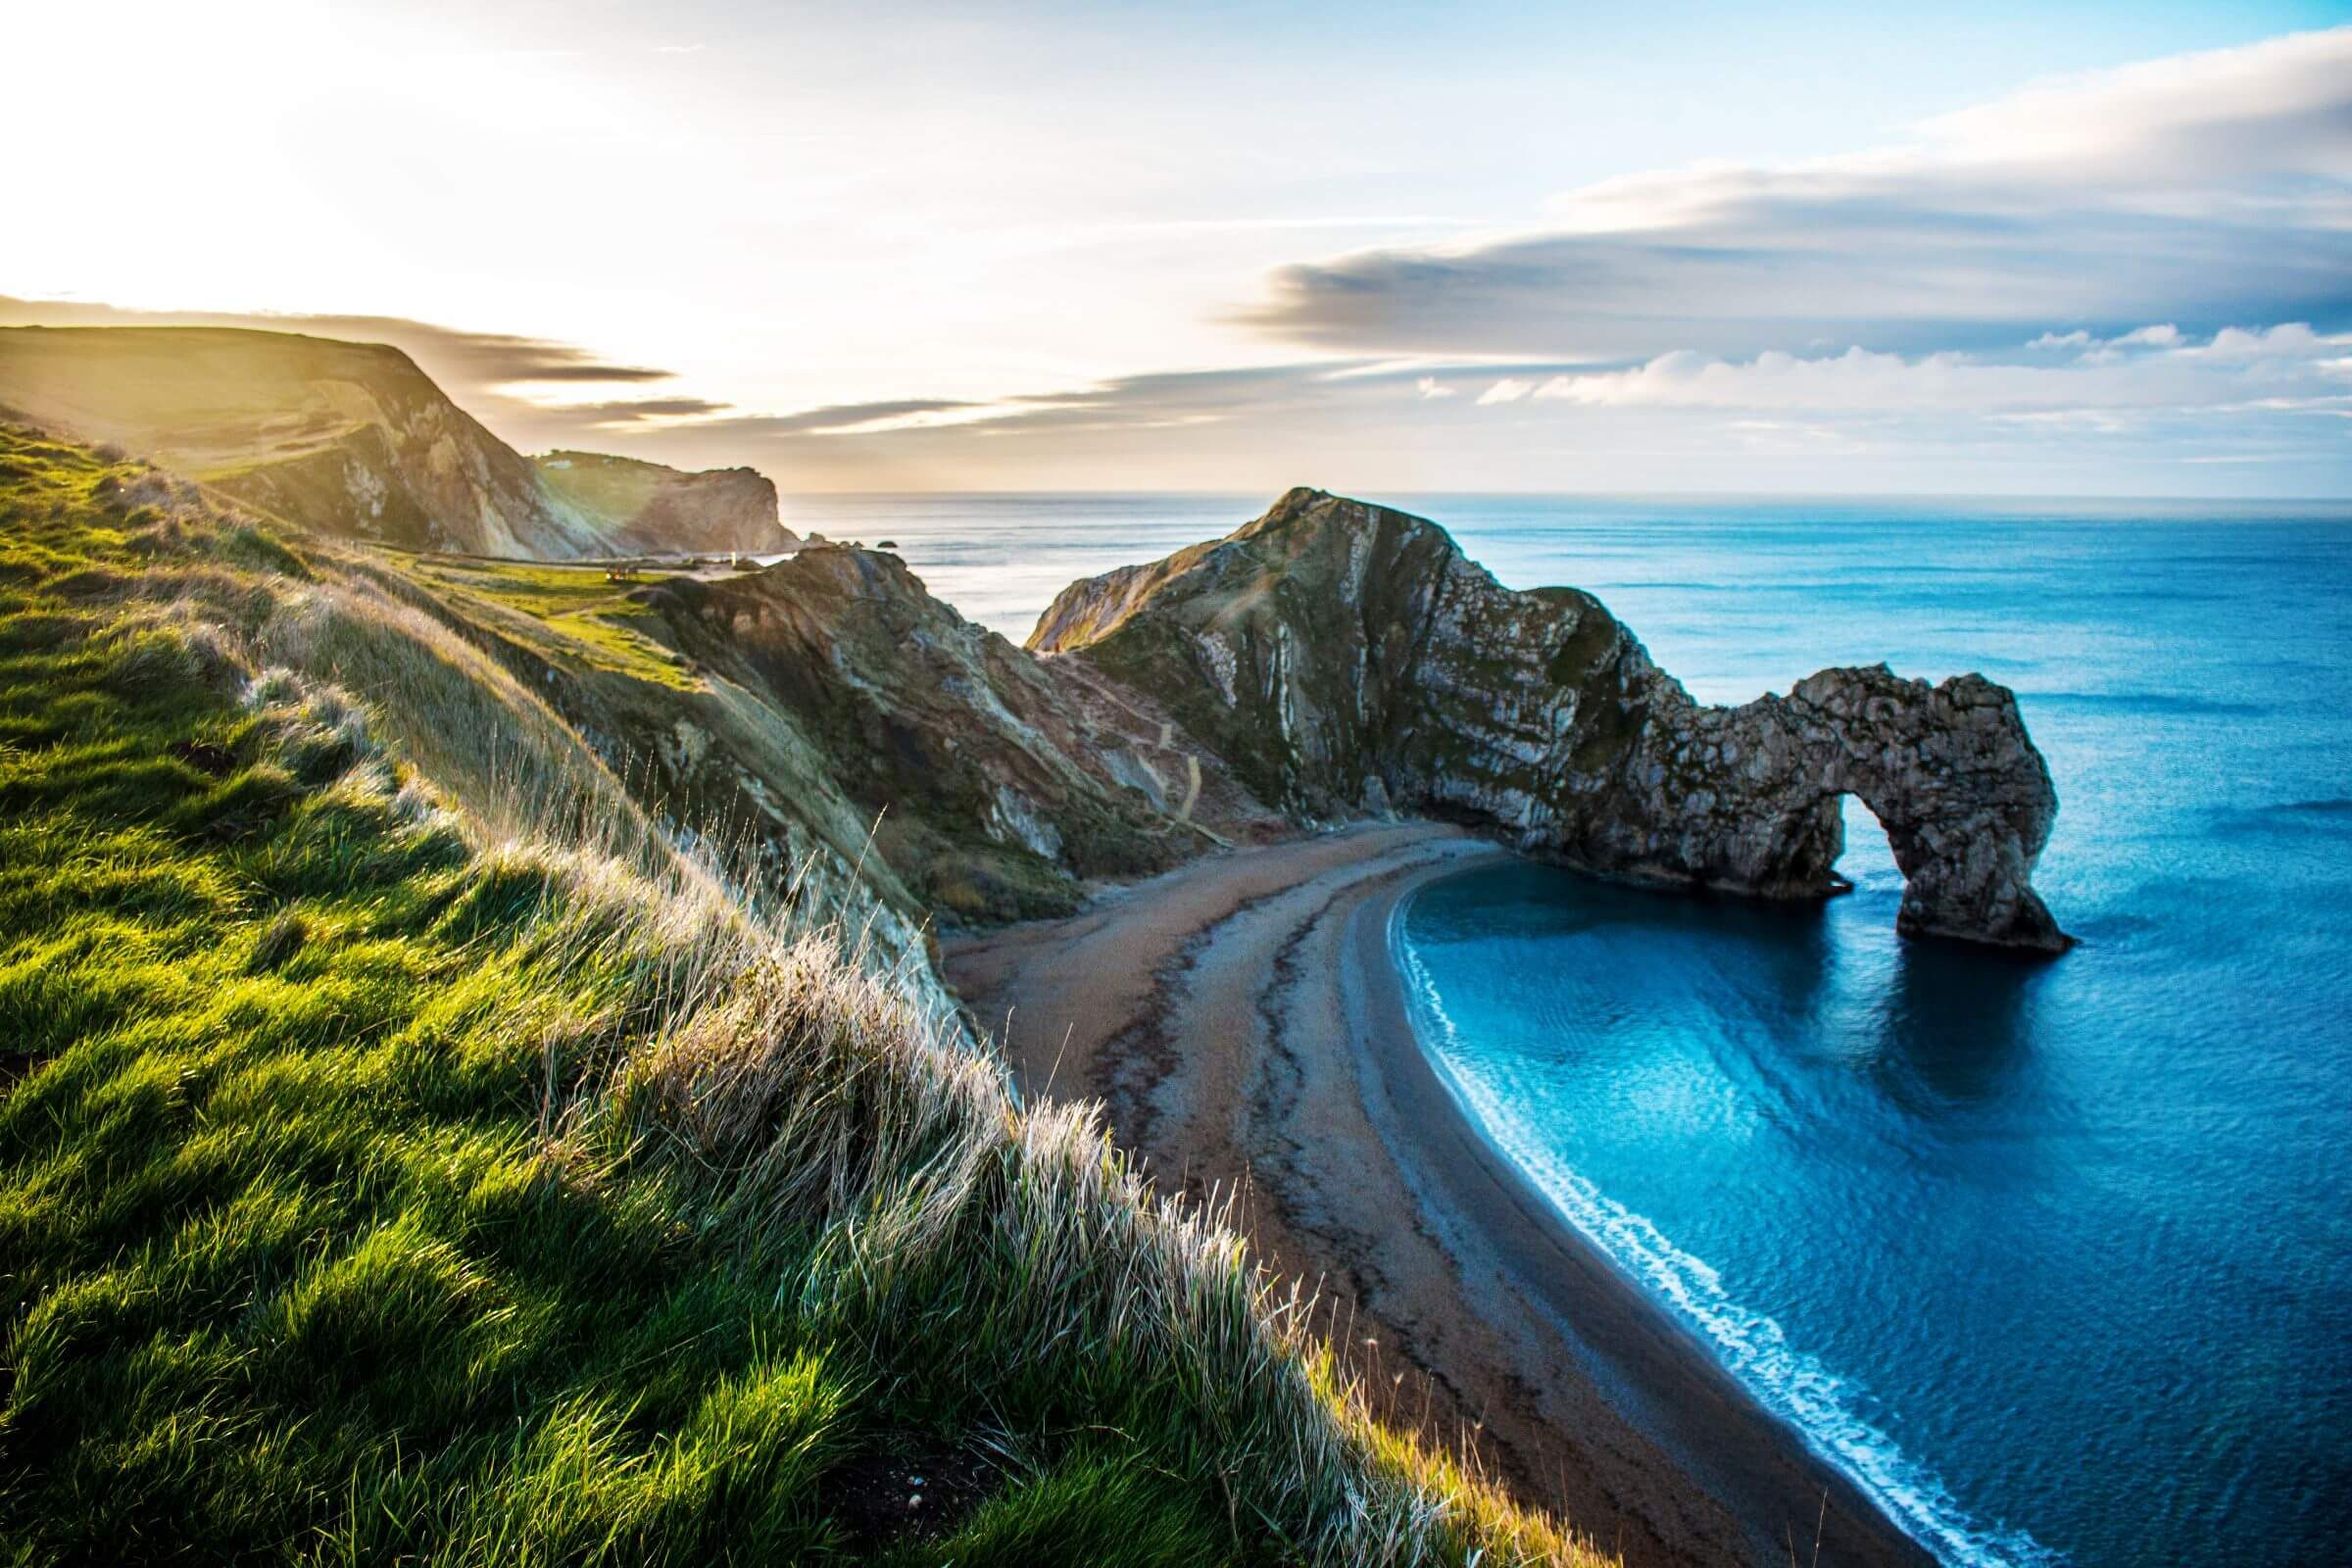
1244,1024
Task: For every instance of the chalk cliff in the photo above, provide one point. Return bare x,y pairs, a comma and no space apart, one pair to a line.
1346,659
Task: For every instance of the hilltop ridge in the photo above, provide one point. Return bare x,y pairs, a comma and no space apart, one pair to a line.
353,439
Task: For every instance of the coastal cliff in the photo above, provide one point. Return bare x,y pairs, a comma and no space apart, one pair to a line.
651,509
352,440
991,786
1347,659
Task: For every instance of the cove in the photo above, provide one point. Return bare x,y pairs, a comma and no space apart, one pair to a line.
1990,1234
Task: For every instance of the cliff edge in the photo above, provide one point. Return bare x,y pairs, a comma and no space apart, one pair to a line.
651,509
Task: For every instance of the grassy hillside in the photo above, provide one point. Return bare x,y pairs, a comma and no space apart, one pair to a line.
347,438
407,1153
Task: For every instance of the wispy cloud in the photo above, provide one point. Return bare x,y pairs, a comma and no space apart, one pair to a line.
841,419
2205,190
618,413
2147,367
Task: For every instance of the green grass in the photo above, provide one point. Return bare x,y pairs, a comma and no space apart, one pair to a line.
379,1183
589,615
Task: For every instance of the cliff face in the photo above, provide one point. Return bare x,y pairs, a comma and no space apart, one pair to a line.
346,438
1347,659
993,786
645,507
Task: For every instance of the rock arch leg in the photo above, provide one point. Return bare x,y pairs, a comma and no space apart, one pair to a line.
1965,798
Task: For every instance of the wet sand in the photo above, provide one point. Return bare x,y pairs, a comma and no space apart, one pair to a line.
1244,1024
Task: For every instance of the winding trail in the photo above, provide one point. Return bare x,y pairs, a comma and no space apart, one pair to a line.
1244,1026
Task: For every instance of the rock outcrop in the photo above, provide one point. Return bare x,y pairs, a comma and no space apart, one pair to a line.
645,507
994,785
1346,659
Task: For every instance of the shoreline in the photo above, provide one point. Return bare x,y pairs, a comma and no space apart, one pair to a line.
1245,1023
1679,1394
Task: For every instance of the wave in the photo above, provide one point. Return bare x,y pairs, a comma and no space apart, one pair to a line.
1819,1403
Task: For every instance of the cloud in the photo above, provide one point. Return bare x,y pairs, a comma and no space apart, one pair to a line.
2198,191
2279,367
843,418
1151,401
2072,414
636,411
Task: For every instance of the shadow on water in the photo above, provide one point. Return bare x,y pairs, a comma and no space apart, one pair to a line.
1933,1026
1956,1026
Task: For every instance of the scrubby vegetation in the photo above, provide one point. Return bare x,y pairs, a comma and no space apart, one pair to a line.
589,617
407,1155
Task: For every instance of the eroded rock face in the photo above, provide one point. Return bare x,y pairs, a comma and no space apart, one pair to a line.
1345,659
994,785
647,506
1747,799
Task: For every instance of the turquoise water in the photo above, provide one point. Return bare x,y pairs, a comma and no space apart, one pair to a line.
2055,1258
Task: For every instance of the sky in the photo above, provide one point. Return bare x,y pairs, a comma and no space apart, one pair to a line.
1991,248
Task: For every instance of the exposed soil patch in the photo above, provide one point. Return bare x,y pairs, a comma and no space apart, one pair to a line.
920,1491
203,756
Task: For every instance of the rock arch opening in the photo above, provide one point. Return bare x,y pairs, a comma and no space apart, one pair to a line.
1864,852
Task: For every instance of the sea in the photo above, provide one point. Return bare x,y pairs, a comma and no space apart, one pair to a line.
2053,1257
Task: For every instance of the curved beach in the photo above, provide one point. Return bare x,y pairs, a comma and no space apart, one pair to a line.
1244,1025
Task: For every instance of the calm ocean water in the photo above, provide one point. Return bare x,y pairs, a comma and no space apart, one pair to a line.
2055,1258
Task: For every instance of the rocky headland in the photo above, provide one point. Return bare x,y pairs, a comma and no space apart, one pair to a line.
1330,660
1349,660
647,508
825,738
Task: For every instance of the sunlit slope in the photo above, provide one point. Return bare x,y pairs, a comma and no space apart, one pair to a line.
353,439
346,437
407,1152
647,506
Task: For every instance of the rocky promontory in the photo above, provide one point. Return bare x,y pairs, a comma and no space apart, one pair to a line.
652,508
1347,659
